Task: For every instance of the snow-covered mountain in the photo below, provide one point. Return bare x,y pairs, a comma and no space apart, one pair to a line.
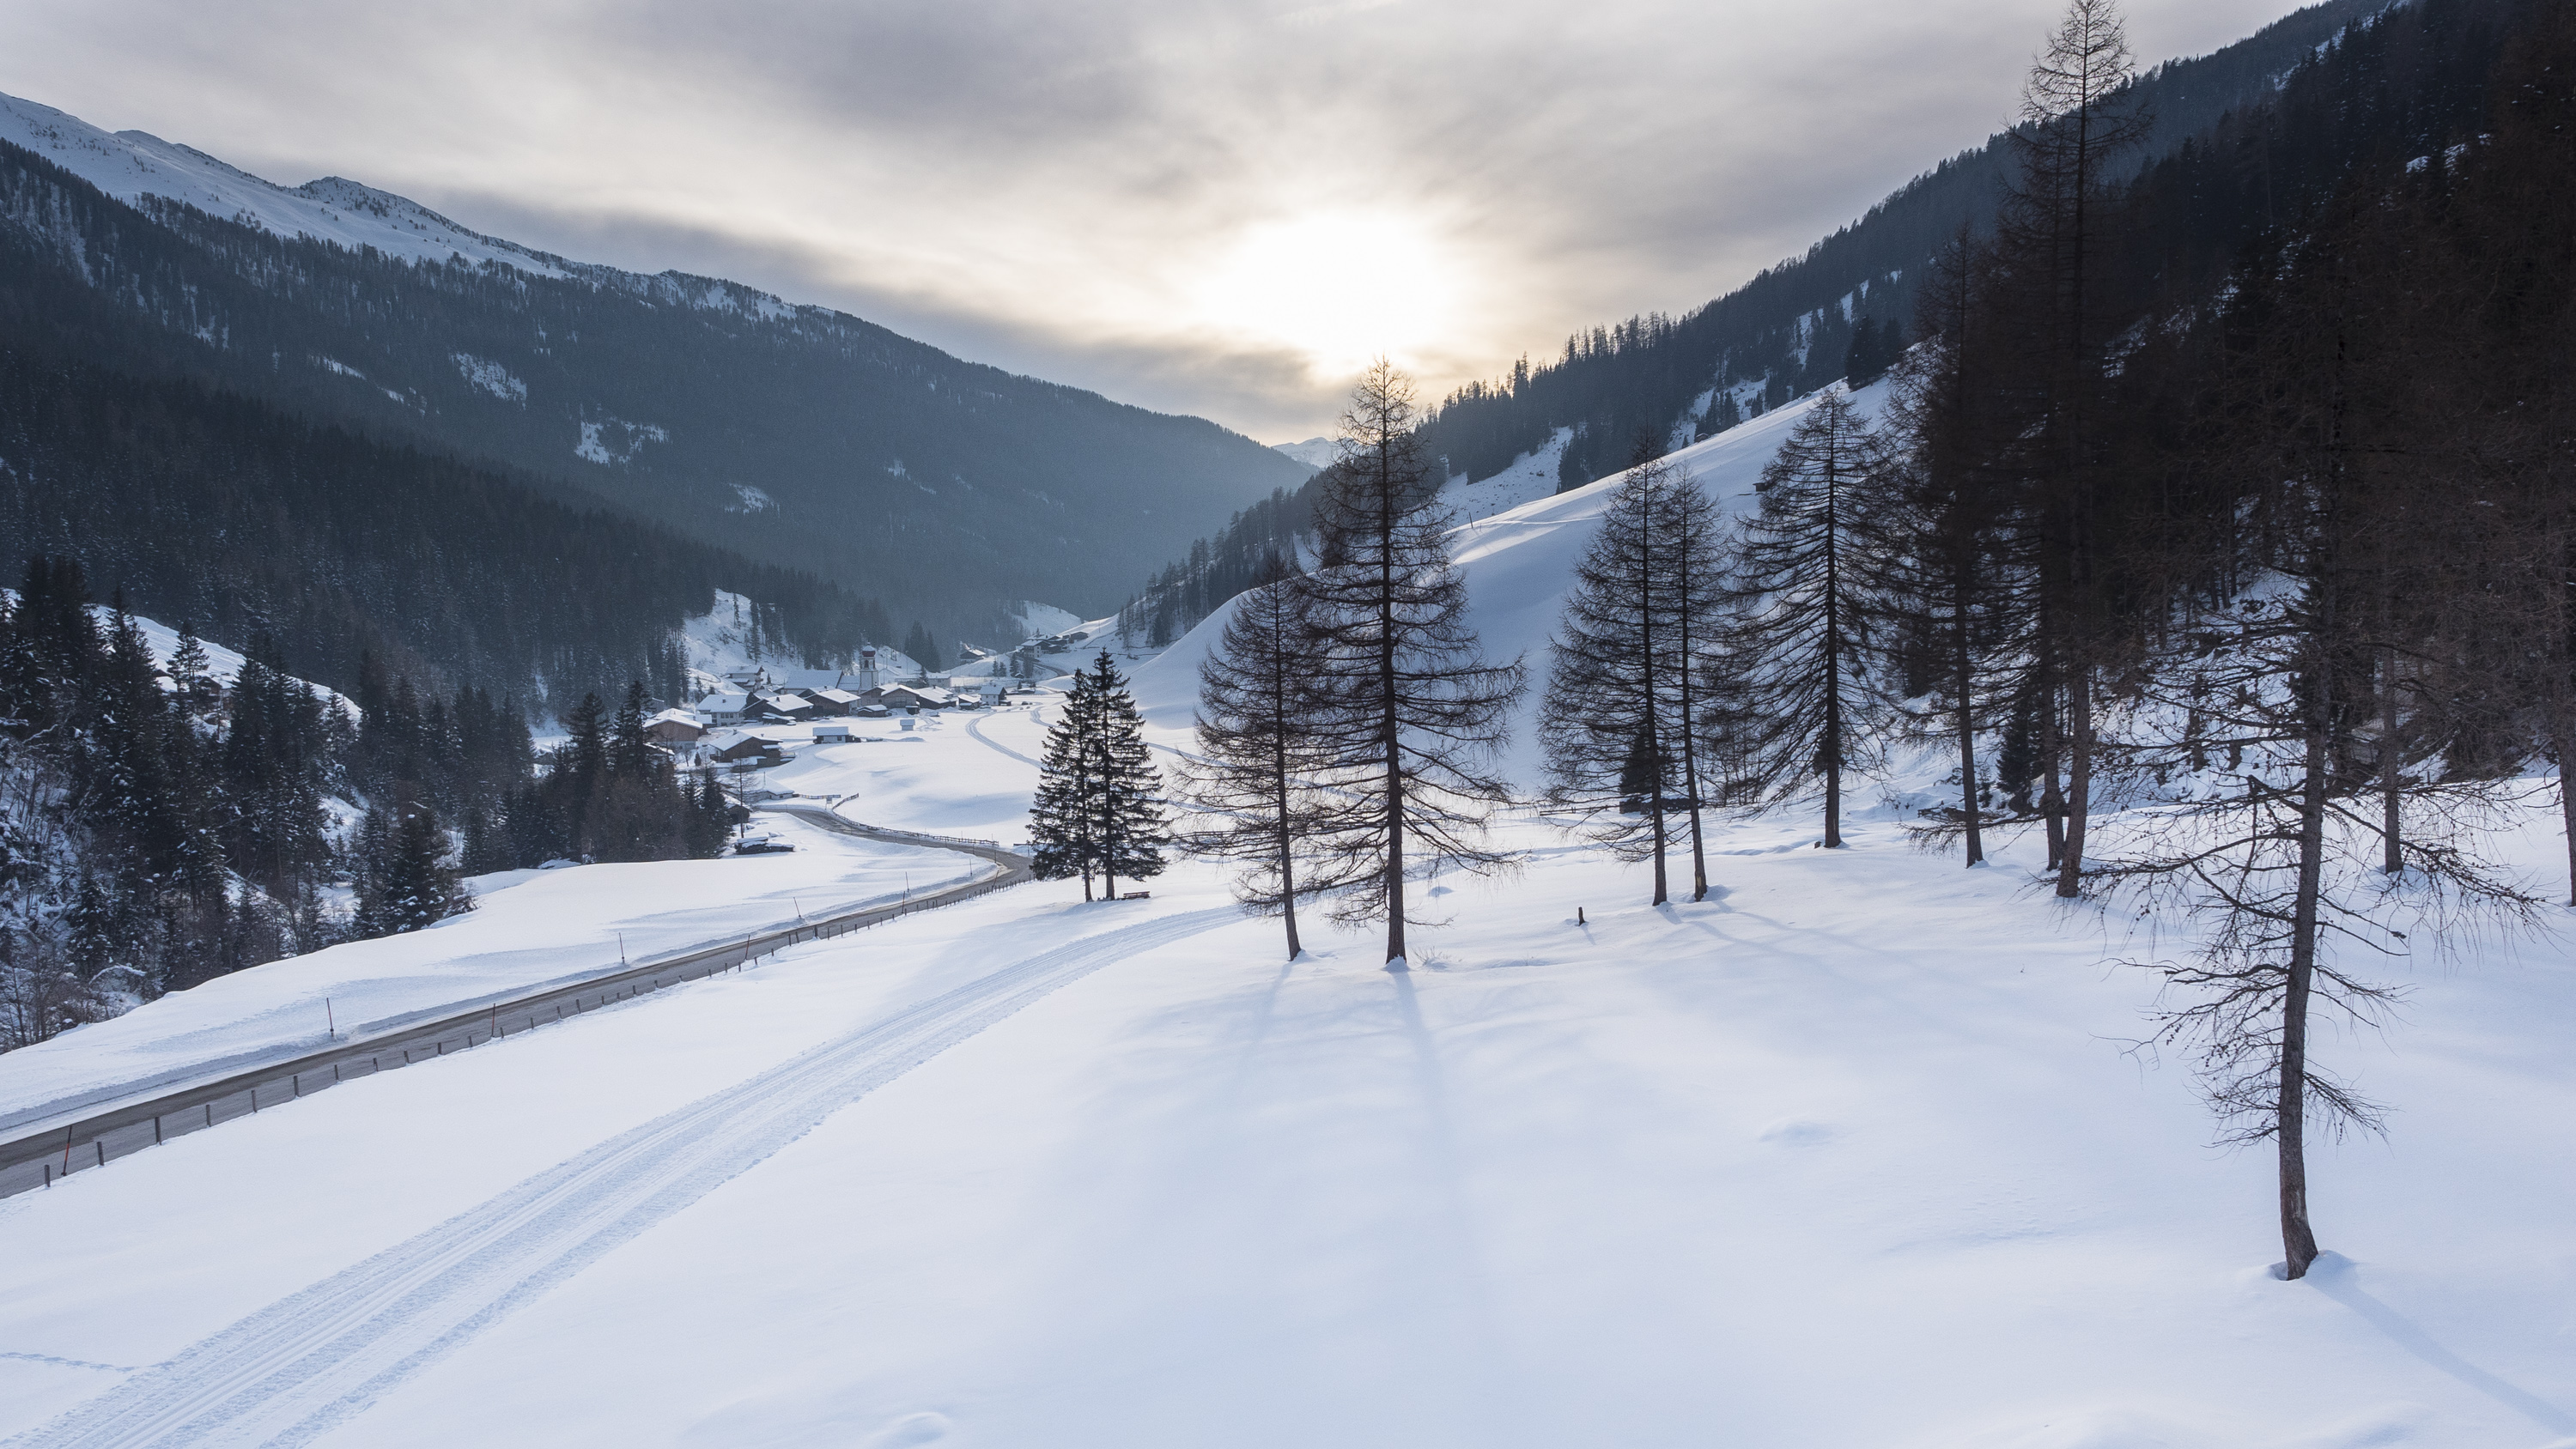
1315,452
131,165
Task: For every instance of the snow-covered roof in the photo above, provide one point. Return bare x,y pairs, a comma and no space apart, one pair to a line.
836,696
675,716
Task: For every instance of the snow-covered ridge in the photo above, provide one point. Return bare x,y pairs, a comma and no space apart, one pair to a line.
1314,452
130,165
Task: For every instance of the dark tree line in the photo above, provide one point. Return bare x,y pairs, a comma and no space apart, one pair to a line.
214,508
160,827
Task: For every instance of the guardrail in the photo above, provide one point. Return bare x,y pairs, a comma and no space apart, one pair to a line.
34,1159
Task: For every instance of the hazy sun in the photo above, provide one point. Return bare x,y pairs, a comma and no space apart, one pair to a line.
1339,287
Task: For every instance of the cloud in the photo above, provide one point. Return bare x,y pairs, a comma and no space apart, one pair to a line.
1093,191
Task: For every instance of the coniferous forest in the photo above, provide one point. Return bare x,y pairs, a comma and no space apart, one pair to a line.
160,827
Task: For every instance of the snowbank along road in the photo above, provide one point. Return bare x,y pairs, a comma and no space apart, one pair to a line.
36,1156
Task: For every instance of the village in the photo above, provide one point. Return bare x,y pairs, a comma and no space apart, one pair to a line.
749,716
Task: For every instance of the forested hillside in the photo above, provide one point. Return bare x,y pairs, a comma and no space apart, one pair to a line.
1790,330
208,508
795,435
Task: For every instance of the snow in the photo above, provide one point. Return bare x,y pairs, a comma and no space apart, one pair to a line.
530,928
616,440
1315,452
492,377
130,165
1530,477
1044,620
718,643
1853,1153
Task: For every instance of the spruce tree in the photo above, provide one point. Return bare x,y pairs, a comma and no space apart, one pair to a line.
630,753
1610,724
1127,789
1063,828
406,882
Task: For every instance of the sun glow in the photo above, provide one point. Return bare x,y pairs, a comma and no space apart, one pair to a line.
1340,288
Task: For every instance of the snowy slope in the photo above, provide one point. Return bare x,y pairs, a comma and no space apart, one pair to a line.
1848,1156
1519,562
131,164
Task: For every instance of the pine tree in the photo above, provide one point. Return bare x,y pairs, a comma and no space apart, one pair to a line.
1409,717
191,676
1610,724
924,652
1802,622
406,881
1127,789
1689,581
1063,828
1944,571
1256,755
2077,117
630,753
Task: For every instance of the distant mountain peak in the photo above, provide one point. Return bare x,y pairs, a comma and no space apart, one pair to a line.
1314,452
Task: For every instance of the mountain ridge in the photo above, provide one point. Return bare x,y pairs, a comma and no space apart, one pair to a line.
951,488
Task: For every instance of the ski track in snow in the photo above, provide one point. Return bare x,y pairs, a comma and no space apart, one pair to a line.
975,727
312,1361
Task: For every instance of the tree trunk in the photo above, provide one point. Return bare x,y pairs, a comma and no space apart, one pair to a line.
1965,664
2079,782
1391,727
2298,1241
1833,741
1690,784
1654,695
2392,856
1287,842
2563,742
2052,749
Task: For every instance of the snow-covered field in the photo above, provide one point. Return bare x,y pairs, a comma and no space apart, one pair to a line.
1851,1154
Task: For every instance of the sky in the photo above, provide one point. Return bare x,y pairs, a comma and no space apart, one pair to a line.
1213,208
